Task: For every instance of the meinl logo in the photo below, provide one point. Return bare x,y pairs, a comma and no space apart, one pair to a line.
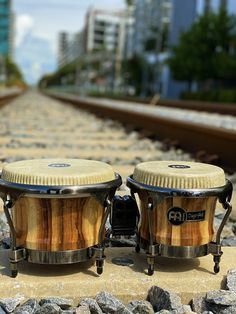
177,216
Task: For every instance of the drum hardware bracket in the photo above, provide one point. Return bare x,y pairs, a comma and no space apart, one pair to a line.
99,250
100,257
17,255
215,247
151,248
8,204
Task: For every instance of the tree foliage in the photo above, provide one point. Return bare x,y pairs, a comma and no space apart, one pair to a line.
207,52
66,73
13,73
132,71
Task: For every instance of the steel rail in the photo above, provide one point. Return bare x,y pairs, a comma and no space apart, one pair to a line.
192,137
222,108
6,98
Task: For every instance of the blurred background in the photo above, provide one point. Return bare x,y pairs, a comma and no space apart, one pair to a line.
169,48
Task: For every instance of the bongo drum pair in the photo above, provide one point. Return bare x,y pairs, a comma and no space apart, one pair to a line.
57,210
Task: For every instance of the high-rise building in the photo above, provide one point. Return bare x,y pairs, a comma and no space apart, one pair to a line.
151,19
99,48
6,35
106,30
70,47
183,16
6,24
63,44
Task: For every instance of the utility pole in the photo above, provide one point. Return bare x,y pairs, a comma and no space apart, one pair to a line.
207,7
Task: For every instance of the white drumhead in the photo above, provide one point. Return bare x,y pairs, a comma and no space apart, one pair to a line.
179,174
53,172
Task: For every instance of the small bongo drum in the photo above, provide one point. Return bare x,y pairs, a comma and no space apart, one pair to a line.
177,206
57,209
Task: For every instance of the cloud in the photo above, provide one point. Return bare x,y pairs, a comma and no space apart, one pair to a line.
24,26
34,55
37,26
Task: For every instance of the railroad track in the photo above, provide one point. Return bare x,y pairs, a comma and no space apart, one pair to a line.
8,96
207,143
221,108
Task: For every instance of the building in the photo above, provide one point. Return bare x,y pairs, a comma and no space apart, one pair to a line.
6,25
6,35
63,45
183,16
152,19
99,48
70,47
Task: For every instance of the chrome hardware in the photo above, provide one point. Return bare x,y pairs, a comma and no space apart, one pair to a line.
59,257
155,195
103,192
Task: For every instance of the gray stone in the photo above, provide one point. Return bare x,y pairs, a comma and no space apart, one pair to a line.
221,297
49,308
229,241
221,302
187,309
227,231
64,303
199,305
207,312
9,304
83,309
166,312
231,280
164,300
70,311
2,310
24,310
6,242
234,228
92,304
29,307
142,307
110,304
220,309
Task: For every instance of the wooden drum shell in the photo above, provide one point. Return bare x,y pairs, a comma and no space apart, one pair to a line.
189,233
57,224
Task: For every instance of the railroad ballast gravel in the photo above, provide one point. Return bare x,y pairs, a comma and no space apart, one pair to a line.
33,122
158,301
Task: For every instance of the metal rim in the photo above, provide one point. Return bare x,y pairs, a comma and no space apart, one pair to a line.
59,257
222,191
177,251
59,191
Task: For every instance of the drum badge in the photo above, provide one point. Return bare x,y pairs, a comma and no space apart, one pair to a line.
59,165
177,216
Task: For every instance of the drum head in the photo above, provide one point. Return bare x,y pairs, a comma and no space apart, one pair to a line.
179,175
53,172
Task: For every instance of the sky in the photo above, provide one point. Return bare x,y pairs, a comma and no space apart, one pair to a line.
37,24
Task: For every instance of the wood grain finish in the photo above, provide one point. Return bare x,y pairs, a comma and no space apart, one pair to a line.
190,233
57,224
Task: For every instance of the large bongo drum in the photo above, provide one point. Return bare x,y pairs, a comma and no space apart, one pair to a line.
177,206
57,209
